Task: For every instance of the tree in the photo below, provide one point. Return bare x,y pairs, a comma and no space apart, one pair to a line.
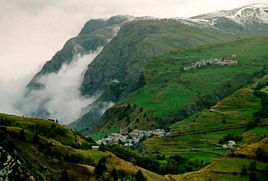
244,170
120,142
114,174
252,165
139,176
22,135
64,176
36,139
252,176
101,167
142,139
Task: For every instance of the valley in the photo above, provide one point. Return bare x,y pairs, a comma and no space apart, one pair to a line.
153,99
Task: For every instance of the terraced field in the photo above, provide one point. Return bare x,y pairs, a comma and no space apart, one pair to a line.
198,135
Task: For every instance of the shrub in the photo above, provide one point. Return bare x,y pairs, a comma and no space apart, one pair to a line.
232,137
244,170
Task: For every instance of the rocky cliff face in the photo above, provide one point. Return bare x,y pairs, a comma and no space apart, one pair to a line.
11,167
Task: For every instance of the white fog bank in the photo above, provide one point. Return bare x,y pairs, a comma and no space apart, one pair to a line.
61,96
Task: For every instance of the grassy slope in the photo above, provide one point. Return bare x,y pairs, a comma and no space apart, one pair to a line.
47,158
126,55
203,131
230,168
168,88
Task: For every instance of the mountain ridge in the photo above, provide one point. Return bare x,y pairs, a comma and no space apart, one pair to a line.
172,93
118,69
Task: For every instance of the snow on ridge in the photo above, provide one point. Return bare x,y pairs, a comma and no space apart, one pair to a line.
195,21
243,15
249,13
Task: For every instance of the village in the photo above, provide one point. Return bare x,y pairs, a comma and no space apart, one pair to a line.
129,139
204,62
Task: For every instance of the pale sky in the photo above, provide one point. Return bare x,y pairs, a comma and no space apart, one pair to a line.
31,31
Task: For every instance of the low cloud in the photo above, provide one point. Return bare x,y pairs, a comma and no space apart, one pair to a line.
61,97
11,91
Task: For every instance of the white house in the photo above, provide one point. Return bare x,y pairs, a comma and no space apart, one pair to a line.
231,143
95,147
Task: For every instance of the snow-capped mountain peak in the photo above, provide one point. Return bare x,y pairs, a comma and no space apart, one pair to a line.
254,13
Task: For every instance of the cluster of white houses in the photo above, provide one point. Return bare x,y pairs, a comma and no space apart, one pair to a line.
130,138
204,62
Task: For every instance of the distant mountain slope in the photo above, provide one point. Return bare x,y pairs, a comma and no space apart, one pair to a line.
63,73
119,68
251,19
183,83
246,15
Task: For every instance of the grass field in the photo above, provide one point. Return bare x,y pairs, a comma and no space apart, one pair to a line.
197,135
169,88
228,169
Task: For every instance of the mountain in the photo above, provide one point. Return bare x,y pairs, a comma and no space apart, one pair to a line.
93,37
121,66
118,69
251,19
164,36
182,83
246,15
203,79
94,34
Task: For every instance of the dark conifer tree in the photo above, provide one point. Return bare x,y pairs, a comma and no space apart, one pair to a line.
65,176
139,176
114,174
101,167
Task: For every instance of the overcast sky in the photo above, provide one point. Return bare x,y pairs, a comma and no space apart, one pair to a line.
31,31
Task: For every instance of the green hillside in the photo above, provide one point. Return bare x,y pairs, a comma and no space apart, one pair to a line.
201,136
118,69
169,88
44,150
172,93
248,164
241,117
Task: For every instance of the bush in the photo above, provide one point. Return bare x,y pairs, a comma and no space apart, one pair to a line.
232,137
22,136
244,170
262,154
